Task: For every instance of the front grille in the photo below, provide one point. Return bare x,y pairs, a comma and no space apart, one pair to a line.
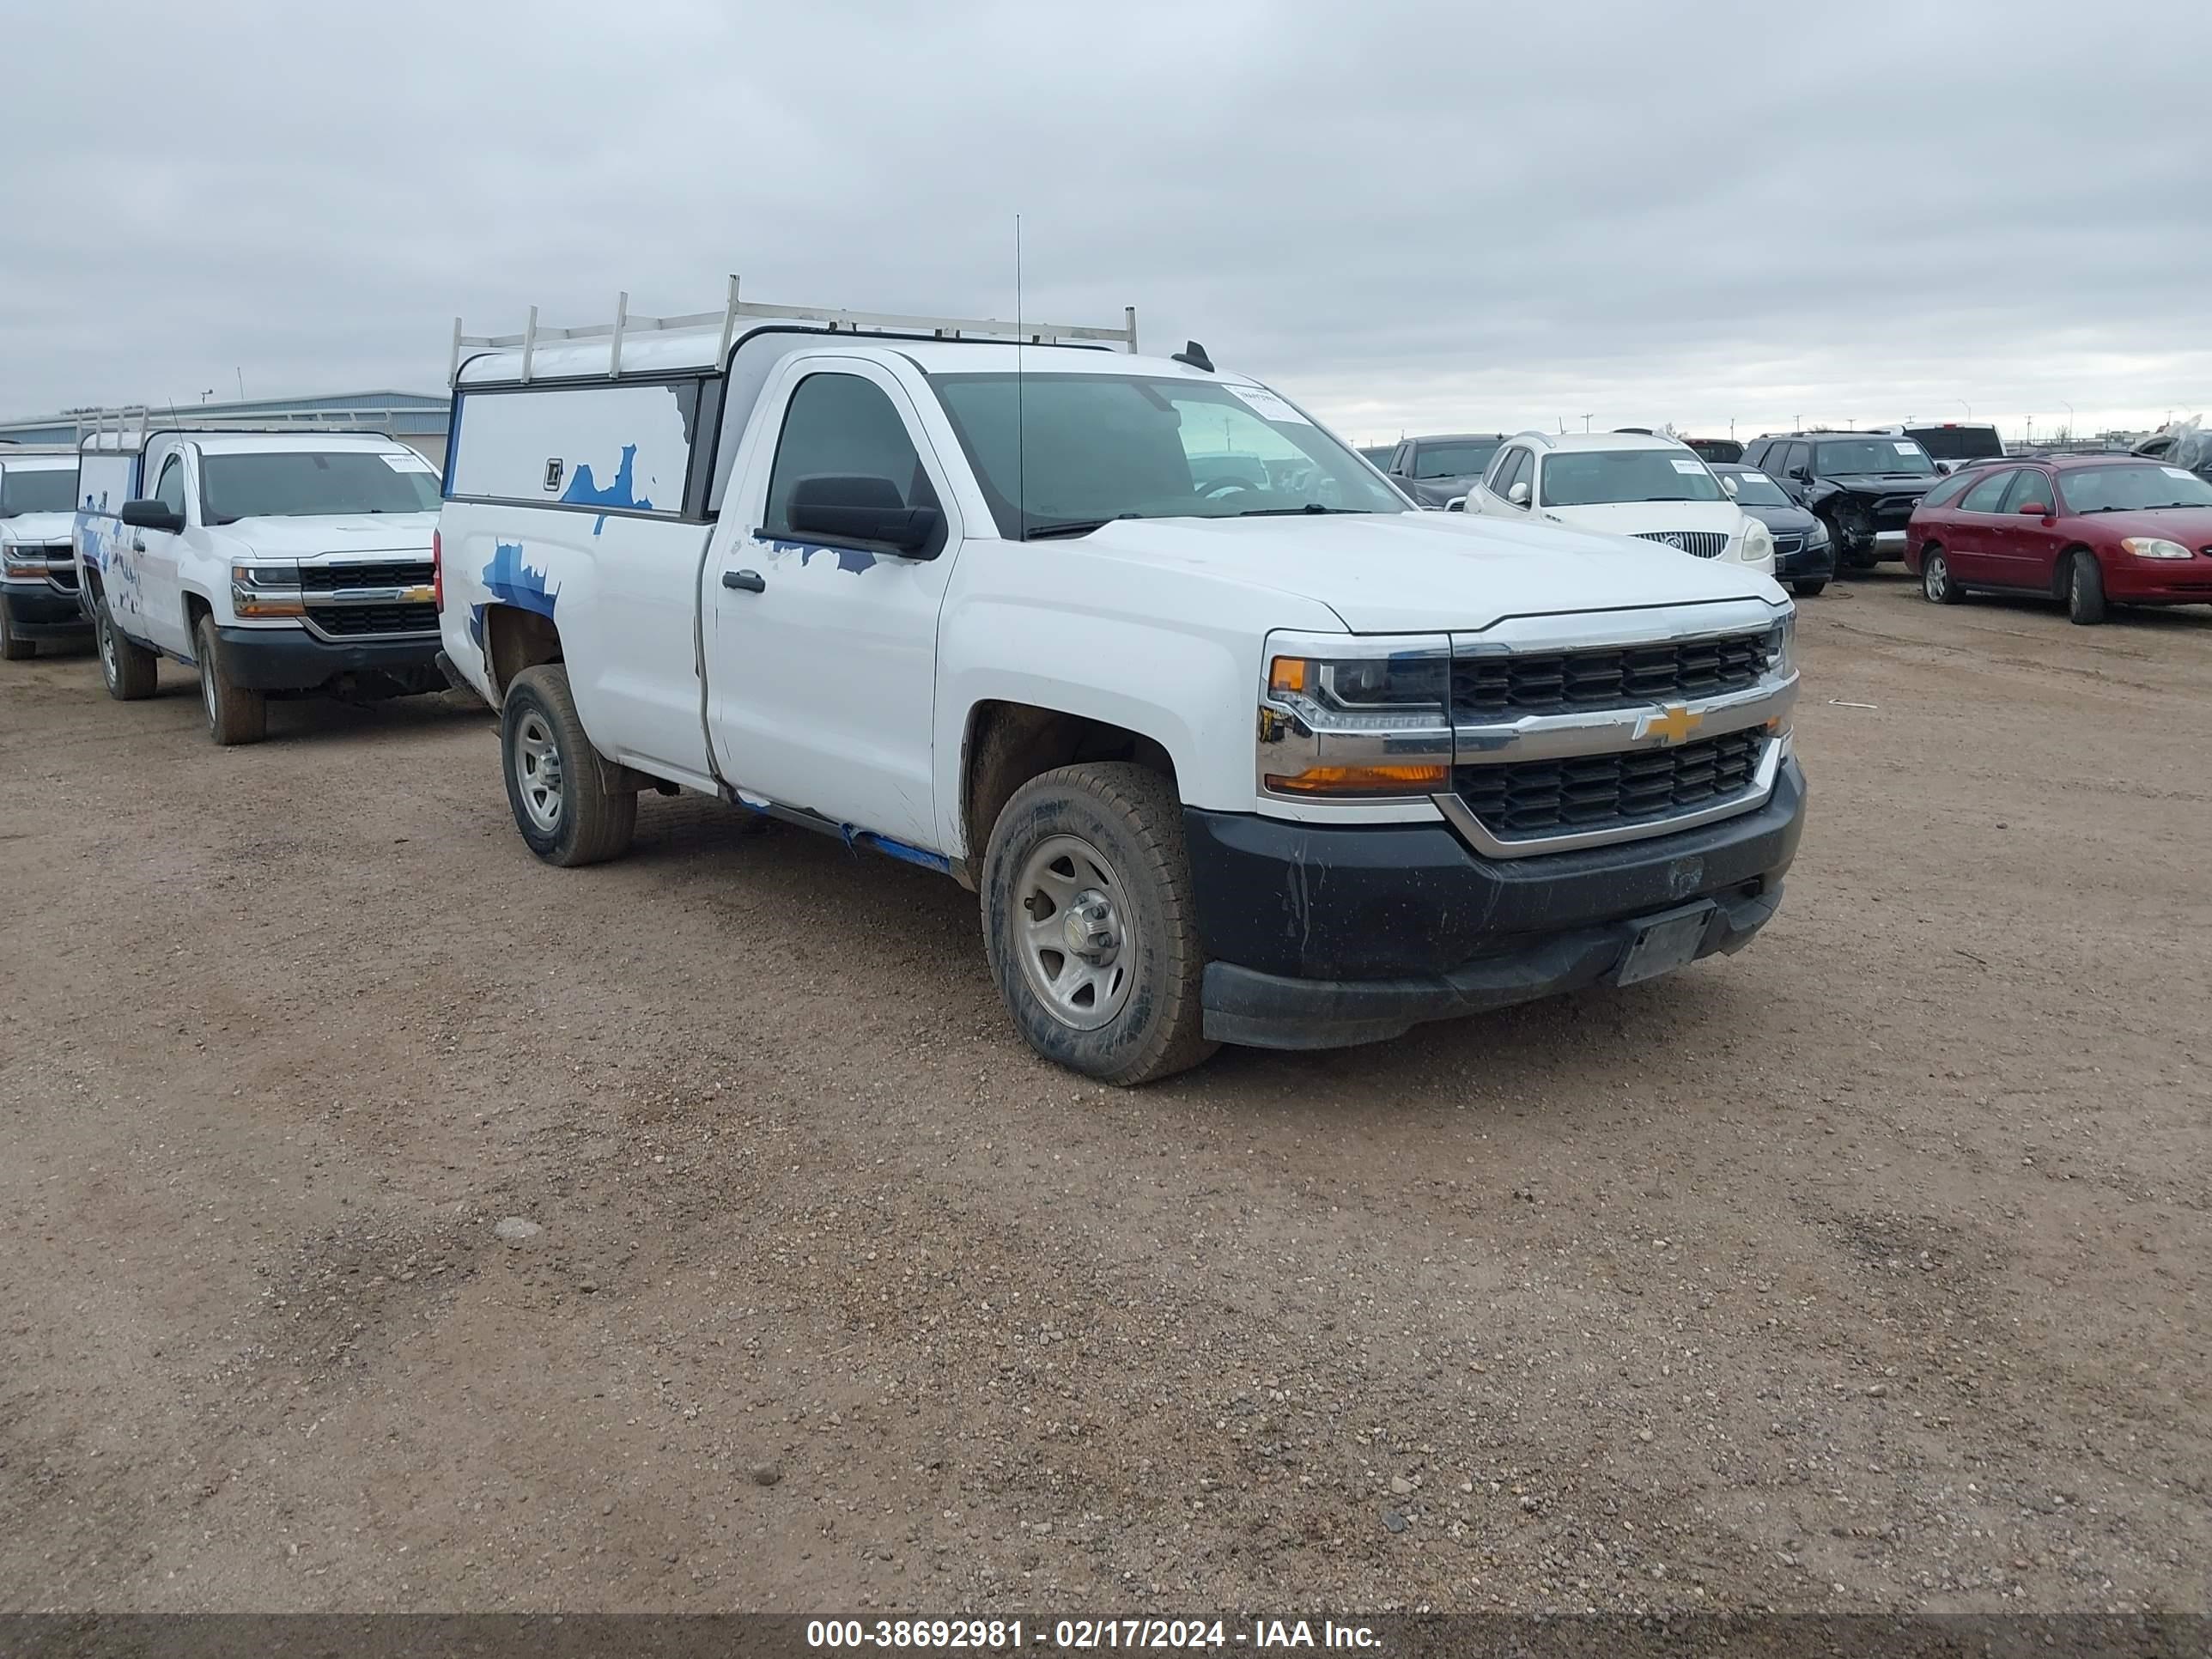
1786,545
1699,544
398,573
1532,799
1895,512
354,619
62,576
1505,687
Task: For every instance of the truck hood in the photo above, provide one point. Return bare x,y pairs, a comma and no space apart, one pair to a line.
350,533
38,527
1882,483
1636,518
1386,573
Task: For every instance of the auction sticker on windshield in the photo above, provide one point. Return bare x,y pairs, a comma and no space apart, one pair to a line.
407,463
1689,469
1268,406
1908,449
2181,473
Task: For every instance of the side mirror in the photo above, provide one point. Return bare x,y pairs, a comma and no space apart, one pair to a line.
152,515
2034,510
856,509
1518,494
1456,504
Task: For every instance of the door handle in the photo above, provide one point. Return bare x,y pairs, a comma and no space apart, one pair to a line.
137,546
746,581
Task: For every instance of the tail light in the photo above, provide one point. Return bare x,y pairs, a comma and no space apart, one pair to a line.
438,570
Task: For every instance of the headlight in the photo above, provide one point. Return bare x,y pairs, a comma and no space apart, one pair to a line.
1758,543
2154,547
266,590
1782,648
1819,537
23,561
1347,718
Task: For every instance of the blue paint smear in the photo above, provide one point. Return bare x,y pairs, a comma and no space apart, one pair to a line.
896,849
584,490
854,560
511,581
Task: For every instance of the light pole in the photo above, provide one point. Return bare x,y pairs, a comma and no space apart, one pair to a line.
1968,407
2070,432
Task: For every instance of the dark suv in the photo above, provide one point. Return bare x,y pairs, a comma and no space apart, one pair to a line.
1863,486
1437,471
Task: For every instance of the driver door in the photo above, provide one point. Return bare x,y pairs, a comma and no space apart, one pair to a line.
157,557
822,657
1493,496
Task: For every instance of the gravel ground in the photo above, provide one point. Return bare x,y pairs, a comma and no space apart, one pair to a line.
1865,1269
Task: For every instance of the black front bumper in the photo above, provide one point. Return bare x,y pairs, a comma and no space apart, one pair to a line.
291,660
40,611
1807,564
1321,937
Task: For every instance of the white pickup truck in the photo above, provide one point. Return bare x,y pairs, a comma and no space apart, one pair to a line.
38,576
1234,744
272,563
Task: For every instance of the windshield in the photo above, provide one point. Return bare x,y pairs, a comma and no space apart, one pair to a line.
41,490
1755,489
1959,443
2133,488
304,483
1455,460
1626,475
1095,448
1874,455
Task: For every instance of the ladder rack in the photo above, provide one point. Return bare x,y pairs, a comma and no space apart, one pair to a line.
119,428
624,325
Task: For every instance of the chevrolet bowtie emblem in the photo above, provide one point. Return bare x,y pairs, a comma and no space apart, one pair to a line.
1671,724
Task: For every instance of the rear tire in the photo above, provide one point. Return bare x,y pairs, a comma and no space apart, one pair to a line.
1104,980
561,790
235,713
2086,605
14,647
131,670
1937,584
1809,590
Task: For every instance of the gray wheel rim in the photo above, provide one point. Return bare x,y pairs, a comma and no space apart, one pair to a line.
207,688
538,771
109,669
1935,576
1075,932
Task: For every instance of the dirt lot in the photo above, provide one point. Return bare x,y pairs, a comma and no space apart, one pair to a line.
1866,1269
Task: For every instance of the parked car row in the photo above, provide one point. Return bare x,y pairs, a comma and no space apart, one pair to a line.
1233,743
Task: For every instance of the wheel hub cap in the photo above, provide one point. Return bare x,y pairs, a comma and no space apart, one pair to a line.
1073,933
538,773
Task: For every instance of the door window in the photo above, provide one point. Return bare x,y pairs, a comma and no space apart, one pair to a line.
841,425
1984,496
2028,485
1514,470
1799,464
170,492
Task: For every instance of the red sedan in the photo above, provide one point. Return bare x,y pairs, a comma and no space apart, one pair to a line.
2091,530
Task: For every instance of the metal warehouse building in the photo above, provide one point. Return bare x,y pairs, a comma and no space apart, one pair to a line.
417,418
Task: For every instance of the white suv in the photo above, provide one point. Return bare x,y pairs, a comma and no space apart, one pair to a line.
1624,483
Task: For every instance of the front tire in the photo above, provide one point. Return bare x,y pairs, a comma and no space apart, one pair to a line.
2085,591
1091,923
1809,590
14,647
235,713
563,798
1937,584
131,670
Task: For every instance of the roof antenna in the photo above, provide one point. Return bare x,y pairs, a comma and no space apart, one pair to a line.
1021,416
1195,355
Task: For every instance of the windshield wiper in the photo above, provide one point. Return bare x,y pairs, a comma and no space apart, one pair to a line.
1291,512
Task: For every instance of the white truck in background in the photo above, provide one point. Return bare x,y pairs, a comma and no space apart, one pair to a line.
38,575
272,563
1232,752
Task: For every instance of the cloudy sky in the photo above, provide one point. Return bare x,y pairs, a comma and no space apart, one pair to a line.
1410,217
